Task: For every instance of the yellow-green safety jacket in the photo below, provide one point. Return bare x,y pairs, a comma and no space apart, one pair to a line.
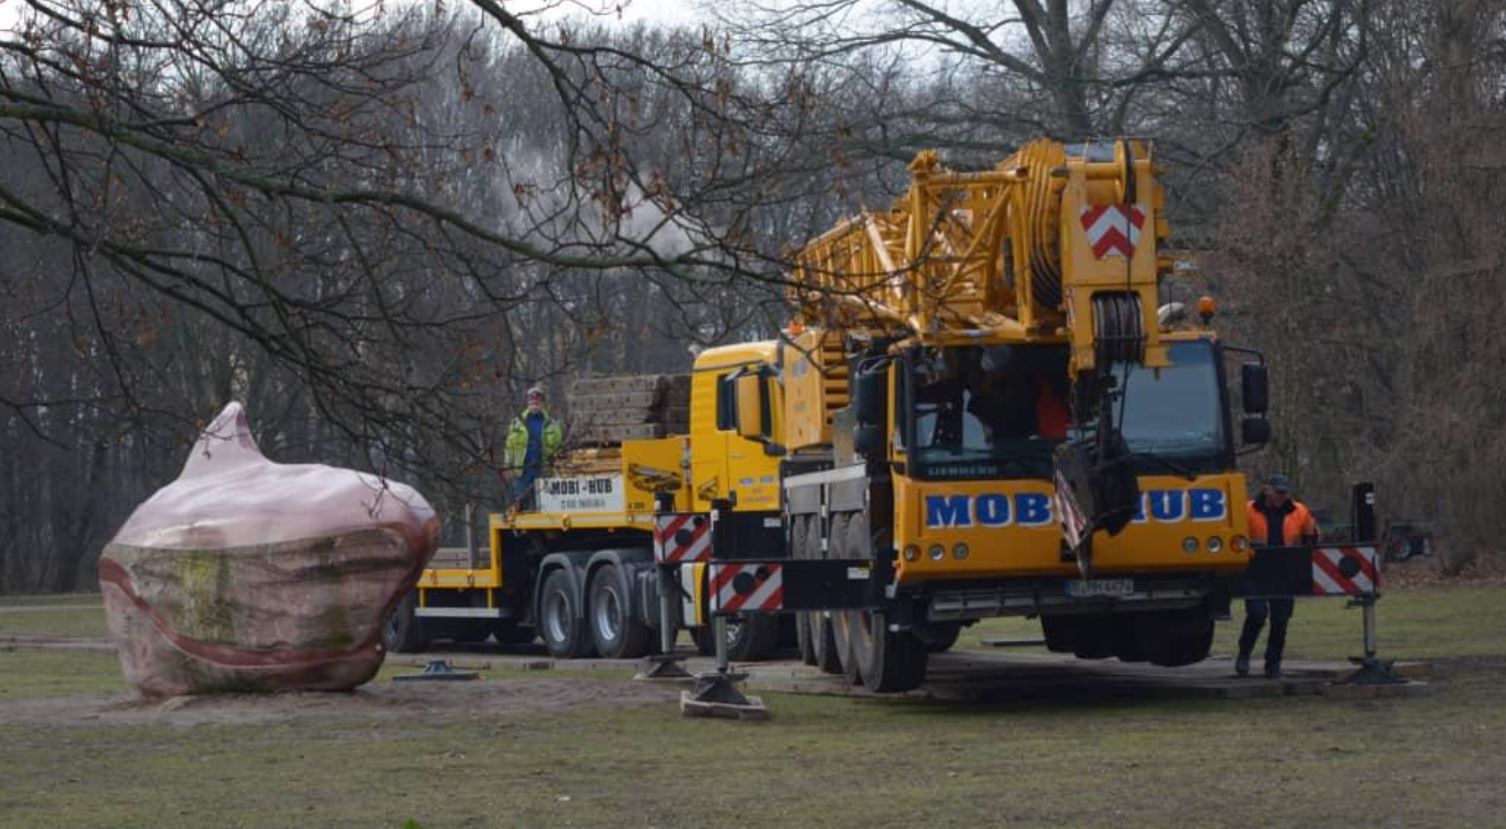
516,446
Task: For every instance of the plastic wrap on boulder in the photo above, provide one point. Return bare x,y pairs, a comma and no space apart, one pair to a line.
249,575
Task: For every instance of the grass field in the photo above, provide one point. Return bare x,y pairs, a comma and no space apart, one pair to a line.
621,759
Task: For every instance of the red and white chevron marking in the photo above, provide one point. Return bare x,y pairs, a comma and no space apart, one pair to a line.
682,537
746,586
1113,229
1344,571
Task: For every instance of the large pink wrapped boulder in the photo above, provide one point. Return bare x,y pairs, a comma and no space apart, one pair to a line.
248,575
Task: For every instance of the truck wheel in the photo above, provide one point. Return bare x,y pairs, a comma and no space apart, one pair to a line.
402,632
615,628
886,660
559,618
803,638
508,632
824,643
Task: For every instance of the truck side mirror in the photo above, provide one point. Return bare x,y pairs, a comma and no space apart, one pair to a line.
872,396
1255,431
753,406
1254,388
868,439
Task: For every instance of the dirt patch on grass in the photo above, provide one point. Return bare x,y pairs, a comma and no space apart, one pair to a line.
429,702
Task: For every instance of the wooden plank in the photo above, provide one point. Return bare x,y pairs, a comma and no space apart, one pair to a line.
618,434
619,384
754,710
608,401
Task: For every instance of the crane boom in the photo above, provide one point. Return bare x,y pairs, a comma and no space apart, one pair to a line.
1056,242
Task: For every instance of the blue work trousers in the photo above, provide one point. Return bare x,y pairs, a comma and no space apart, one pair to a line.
522,486
1256,611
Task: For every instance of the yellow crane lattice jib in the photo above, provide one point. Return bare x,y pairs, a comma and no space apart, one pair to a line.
979,250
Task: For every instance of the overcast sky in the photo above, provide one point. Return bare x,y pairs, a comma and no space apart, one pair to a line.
628,11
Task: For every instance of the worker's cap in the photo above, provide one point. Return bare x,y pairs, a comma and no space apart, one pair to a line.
536,391
1279,483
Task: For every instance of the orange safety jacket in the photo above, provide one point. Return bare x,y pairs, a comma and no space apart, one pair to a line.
1296,528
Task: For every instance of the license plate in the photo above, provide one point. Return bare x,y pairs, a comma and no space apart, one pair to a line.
1100,587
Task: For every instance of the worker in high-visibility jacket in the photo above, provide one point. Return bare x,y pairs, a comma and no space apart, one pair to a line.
532,441
1276,520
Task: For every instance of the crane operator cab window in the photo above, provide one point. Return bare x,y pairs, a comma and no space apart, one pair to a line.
987,411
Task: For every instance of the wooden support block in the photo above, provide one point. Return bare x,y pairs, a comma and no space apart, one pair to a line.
754,710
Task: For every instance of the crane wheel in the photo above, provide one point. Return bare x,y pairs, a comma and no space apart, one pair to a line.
842,622
751,638
886,660
803,638
615,628
824,643
1177,638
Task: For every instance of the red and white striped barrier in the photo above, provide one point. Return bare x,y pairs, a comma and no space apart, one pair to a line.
1345,571
682,537
746,586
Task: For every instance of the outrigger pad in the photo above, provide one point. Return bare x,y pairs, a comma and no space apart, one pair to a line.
664,668
248,575
437,670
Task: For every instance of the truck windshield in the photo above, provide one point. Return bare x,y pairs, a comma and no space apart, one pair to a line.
1000,411
1176,412
987,412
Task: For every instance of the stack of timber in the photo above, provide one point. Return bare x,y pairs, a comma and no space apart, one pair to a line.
588,460
609,410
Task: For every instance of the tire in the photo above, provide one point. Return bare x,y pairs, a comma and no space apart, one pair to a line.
1127,642
1173,640
615,628
559,618
939,638
1086,636
824,643
511,633
1059,632
841,630
803,638
887,661
751,638
841,620
402,631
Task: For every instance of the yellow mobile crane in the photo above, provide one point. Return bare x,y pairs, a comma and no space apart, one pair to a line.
979,412
983,413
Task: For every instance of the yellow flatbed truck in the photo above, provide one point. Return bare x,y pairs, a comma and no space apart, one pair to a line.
576,566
